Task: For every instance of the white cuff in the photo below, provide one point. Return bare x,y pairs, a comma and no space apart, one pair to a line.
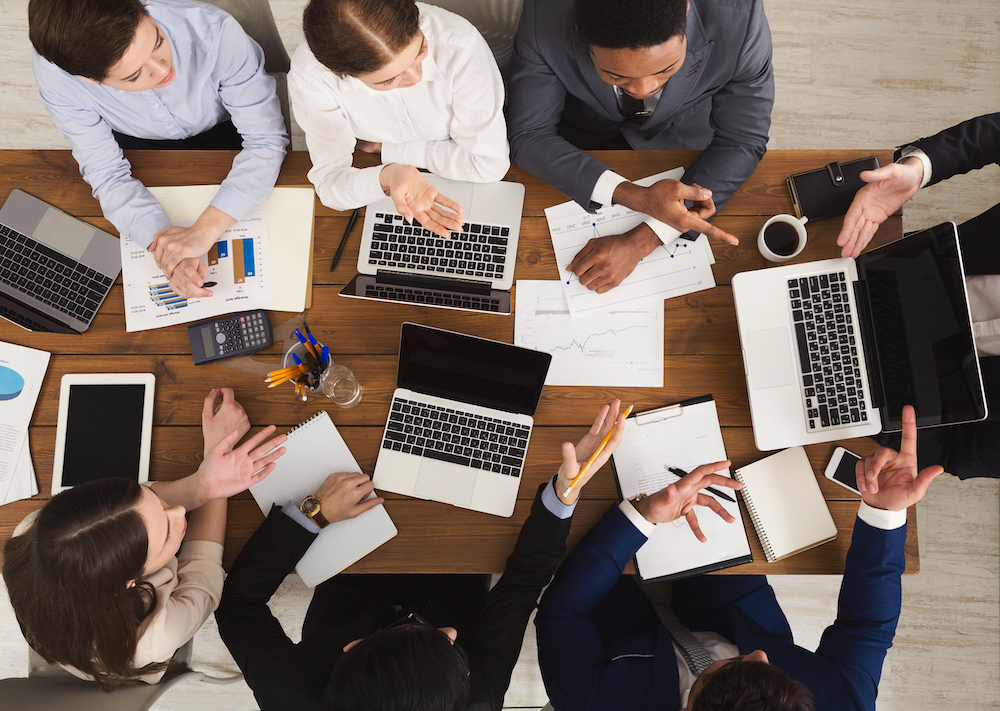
604,189
645,527
293,512
911,152
880,518
665,232
554,504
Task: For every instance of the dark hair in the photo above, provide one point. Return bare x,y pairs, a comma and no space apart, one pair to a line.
84,37
67,577
752,686
353,37
630,24
409,668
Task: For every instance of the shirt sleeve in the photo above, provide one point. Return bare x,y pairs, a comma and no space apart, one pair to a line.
880,518
125,202
636,519
293,512
476,149
248,94
552,503
911,152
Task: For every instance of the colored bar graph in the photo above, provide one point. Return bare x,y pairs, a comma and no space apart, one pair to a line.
163,295
248,261
239,268
213,255
223,249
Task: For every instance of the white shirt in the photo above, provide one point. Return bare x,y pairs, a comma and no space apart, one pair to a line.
450,123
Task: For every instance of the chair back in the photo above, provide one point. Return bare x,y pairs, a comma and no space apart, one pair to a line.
496,20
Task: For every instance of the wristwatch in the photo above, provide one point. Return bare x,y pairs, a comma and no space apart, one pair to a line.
310,507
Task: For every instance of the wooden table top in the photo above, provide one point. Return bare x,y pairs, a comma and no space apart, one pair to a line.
701,355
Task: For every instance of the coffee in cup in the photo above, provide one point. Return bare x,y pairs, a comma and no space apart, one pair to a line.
782,237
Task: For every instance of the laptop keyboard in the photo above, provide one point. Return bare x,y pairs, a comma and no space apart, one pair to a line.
832,385
51,277
455,436
477,251
430,297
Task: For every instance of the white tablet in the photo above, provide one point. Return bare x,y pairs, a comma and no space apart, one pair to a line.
105,428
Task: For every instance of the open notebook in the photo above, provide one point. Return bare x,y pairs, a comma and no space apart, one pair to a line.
685,436
315,450
785,504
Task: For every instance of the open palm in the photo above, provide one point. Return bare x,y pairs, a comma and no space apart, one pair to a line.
887,190
889,479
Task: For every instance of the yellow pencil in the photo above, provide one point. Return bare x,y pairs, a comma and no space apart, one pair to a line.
282,371
595,455
278,382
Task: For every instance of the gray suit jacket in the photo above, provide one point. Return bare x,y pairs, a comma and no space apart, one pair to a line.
719,101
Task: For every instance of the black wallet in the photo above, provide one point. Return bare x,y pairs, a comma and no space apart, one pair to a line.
828,191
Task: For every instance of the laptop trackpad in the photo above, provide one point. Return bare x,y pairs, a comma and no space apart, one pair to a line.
445,482
768,358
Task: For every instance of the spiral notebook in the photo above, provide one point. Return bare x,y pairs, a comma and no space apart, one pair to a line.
683,436
315,450
785,504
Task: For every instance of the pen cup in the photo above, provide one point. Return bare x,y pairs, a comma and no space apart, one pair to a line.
339,384
306,357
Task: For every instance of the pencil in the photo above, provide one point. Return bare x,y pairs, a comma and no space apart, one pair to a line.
721,495
595,455
285,379
343,240
283,371
304,342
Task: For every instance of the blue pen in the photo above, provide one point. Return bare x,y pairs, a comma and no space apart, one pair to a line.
298,335
325,355
312,339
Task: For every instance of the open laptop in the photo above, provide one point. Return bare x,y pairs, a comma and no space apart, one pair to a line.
472,271
55,270
834,349
460,419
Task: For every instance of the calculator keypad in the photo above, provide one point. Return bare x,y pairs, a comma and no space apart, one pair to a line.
240,333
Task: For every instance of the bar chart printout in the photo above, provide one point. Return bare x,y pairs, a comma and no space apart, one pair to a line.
237,263
622,348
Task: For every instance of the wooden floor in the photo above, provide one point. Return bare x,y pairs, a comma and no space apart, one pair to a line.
848,75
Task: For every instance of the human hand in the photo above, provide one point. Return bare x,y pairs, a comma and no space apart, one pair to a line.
888,188
605,262
188,277
679,499
415,197
217,422
227,471
889,479
174,244
368,146
664,200
575,457
342,496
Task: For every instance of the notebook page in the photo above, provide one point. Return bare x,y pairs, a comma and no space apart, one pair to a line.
641,464
290,231
315,450
789,505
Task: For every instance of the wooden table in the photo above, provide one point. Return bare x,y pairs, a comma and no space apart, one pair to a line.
702,355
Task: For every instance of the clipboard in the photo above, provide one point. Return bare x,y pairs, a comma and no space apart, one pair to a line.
685,435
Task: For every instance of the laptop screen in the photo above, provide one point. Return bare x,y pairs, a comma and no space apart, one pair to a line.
922,330
471,370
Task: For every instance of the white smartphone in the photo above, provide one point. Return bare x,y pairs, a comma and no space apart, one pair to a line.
841,469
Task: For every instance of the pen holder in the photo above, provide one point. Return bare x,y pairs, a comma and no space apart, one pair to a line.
307,359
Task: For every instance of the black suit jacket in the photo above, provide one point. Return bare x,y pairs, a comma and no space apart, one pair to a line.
284,675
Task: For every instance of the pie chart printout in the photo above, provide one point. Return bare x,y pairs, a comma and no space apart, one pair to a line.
11,383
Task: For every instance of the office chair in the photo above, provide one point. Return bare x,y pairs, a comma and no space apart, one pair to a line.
51,688
496,20
257,21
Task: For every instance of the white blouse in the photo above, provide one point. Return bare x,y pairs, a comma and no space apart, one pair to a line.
450,123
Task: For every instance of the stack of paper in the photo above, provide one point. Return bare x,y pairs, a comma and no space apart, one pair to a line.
21,373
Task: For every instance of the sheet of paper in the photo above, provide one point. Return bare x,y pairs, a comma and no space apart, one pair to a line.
642,463
21,373
621,348
682,267
23,484
238,263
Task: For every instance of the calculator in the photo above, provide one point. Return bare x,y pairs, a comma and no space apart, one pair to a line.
230,336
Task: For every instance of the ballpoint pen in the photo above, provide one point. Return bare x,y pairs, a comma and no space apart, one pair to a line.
720,494
596,454
304,342
343,240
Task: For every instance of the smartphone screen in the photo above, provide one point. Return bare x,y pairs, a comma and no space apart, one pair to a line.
845,473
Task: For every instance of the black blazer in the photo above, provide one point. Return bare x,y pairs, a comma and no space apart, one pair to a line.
284,675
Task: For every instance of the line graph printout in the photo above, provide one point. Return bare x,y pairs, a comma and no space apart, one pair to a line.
651,444
237,262
674,269
622,348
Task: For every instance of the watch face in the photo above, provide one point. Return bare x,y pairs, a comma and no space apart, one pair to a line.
310,505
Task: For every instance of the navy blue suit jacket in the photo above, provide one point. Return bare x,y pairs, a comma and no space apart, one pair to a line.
600,645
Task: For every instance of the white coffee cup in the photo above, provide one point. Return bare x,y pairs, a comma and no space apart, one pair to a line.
779,254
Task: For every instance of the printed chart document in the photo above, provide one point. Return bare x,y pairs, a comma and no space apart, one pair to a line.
315,450
683,436
21,373
621,348
238,262
682,267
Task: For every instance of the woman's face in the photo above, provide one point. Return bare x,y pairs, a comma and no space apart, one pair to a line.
404,70
165,527
147,63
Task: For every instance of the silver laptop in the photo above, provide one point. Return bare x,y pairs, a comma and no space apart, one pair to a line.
472,271
460,419
834,349
55,270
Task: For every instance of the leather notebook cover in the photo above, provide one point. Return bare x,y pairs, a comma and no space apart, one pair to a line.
828,191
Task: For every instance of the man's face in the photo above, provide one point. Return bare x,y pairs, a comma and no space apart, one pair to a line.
147,63
640,72
699,684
